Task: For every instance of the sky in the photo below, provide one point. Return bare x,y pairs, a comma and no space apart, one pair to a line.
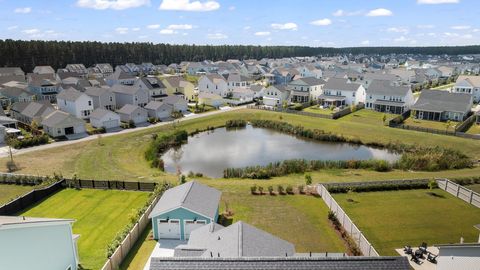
326,23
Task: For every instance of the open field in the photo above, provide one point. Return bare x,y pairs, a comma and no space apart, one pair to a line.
410,218
430,124
316,109
99,215
10,192
474,129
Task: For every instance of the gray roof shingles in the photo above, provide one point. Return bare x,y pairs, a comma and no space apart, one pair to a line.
443,101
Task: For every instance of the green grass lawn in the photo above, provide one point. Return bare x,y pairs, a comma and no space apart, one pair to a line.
140,252
430,124
99,215
317,109
474,129
393,219
10,192
368,117
443,87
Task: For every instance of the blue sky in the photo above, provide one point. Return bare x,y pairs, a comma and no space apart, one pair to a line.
336,23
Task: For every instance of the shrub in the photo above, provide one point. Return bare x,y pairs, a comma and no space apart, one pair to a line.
270,190
289,190
159,145
301,189
253,189
236,123
281,190
308,179
260,189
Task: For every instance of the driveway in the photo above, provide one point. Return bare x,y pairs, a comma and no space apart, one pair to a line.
4,149
163,249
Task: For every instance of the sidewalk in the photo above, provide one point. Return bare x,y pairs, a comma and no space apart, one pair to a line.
4,152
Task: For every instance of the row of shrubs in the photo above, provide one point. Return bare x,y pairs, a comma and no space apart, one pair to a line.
134,218
301,166
160,144
352,246
259,190
414,157
29,142
239,123
23,180
383,187
100,130
465,181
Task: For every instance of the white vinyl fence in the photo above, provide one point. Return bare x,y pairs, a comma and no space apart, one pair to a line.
121,252
459,191
365,246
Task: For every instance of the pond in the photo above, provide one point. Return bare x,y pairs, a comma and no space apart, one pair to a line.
211,152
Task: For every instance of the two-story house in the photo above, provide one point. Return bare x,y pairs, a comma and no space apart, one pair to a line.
341,92
102,97
276,95
469,85
177,85
75,102
213,84
236,80
156,89
388,96
120,77
133,95
44,86
305,89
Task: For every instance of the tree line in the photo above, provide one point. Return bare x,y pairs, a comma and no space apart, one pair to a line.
28,54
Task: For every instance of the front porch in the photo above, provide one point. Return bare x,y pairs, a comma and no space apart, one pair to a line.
388,107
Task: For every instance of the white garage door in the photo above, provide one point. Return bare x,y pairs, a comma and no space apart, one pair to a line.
110,124
168,229
191,225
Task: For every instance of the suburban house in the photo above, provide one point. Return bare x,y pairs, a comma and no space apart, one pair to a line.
120,77
27,112
43,70
44,86
284,76
458,256
235,241
133,113
305,89
213,84
79,69
213,100
132,95
154,86
102,97
340,92
159,110
183,209
276,95
177,102
442,105
37,243
177,85
59,123
104,68
13,94
257,90
387,96
236,80
103,118
469,85
75,102
242,95
310,71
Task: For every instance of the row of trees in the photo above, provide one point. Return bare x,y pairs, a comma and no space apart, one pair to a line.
28,54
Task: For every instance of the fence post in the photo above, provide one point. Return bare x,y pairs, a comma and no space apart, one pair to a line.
471,197
108,184
138,185
93,183
458,189
446,184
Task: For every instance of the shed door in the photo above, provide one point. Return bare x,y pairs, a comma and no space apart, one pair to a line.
168,229
191,225
110,123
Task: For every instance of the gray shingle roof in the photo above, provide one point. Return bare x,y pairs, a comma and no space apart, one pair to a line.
340,84
155,105
239,240
96,91
297,263
69,94
128,109
99,113
58,117
37,108
311,81
152,83
125,89
194,196
387,88
443,101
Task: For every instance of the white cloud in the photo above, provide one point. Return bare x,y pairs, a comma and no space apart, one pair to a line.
217,36
31,31
425,26
379,12
365,42
398,30
153,26
112,4
247,28
284,26
121,30
143,37
341,13
23,10
180,26
13,27
167,32
460,27
435,2
266,33
186,5
322,22
135,29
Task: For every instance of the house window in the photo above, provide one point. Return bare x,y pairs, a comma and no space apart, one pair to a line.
111,99
89,103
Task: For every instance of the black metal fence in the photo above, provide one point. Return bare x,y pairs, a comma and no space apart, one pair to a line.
334,115
108,184
29,199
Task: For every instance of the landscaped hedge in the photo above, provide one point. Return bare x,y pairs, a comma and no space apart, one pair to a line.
29,142
381,187
236,123
465,181
24,180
